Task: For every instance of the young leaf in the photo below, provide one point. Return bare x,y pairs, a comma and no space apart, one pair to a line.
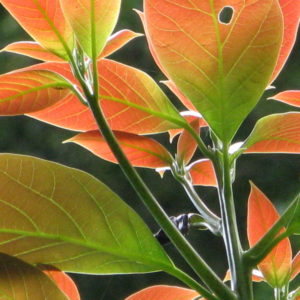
295,266
278,133
131,101
289,97
32,49
261,216
202,173
28,91
22,281
117,41
226,66
164,292
141,151
92,22
45,22
63,281
187,145
291,18
68,219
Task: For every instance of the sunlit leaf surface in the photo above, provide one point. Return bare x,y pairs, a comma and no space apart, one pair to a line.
131,101
202,173
28,91
164,292
278,133
68,219
64,282
141,151
261,216
117,41
32,49
289,97
44,21
92,21
21,281
291,18
223,68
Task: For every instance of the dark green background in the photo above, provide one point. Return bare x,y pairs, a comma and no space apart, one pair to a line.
277,175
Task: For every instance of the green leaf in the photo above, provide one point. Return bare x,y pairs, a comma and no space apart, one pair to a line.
21,281
55,215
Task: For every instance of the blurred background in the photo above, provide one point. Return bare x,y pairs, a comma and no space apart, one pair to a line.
277,175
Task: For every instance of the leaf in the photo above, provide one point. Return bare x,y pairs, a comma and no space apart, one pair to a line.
226,66
187,146
68,219
28,91
21,281
295,266
45,22
141,151
117,41
278,133
92,22
131,101
164,292
32,49
289,97
202,173
291,18
256,276
64,282
261,216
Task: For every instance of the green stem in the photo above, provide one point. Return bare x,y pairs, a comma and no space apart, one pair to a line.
241,281
281,293
213,222
186,250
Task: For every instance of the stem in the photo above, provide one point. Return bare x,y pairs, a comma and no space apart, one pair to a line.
241,281
213,221
281,293
186,250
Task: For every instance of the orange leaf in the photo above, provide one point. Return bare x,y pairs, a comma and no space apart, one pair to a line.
278,133
256,276
141,151
295,266
223,69
44,21
291,18
32,49
64,283
117,41
203,173
289,97
92,22
164,292
187,145
132,86
261,217
28,91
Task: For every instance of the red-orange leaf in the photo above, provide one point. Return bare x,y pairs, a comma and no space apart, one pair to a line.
295,266
28,91
44,21
278,133
261,217
117,41
221,68
187,145
164,292
203,173
141,151
64,283
291,18
289,97
131,101
32,49
92,21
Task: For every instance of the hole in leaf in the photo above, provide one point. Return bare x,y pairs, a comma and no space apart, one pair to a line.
226,15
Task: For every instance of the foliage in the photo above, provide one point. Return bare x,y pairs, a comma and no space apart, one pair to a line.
219,56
